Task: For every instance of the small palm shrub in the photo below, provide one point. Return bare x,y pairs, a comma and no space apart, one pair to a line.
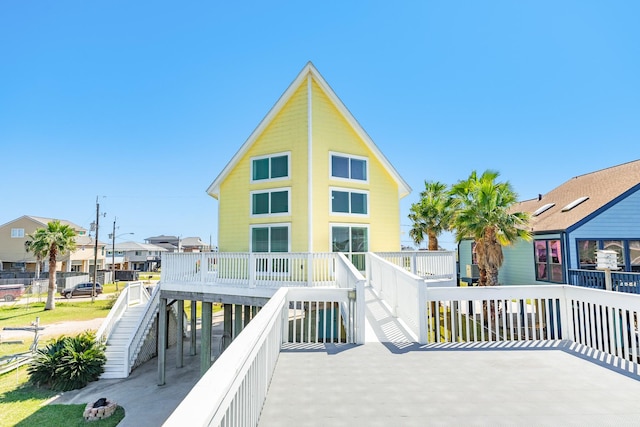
68,363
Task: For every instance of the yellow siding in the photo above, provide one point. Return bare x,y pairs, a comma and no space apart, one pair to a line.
287,132
332,132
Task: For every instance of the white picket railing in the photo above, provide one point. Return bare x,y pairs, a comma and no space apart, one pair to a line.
233,390
143,326
401,290
131,294
255,270
426,264
592,319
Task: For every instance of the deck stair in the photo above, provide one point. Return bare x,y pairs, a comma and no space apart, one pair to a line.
118,343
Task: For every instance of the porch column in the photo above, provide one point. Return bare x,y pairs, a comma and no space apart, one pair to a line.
180,335
247,315
194,307
205,337
162,341
228,326
237,320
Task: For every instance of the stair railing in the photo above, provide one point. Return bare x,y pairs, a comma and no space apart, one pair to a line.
144,325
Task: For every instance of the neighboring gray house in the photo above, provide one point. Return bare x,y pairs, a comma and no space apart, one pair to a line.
179,244
597,210
135,256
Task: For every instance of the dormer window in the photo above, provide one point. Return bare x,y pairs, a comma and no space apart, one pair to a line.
544,208
270,167
574,203
348,167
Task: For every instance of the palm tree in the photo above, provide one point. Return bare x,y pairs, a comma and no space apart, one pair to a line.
431,215
53,240
483,212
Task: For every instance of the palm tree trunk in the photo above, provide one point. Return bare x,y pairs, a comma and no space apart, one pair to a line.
51,300
433,241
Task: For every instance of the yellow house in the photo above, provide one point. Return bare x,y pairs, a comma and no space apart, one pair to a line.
309,179
14,257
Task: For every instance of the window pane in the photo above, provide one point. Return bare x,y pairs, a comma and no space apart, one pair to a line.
260,240
359,241
634,254
339,167
280,202
260,169
340,239
541,251
556,273
279,239
260,203
615,245
554,248
358,203
340,201
358,169
587,253
279,167
541,271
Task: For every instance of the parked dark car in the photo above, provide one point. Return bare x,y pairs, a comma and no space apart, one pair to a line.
81,289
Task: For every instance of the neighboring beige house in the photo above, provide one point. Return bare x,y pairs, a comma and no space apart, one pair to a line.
14,257
135,256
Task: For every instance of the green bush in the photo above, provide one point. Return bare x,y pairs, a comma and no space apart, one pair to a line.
68,363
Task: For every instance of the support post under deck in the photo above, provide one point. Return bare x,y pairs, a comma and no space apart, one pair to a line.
193,348
205,337
228,326
180,335
162,341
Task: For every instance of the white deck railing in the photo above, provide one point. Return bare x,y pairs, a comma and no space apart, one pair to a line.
592,319
426,264
131,294
144,324
255,270
233,390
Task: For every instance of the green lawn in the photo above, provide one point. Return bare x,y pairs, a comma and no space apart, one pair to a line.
81,309
21,404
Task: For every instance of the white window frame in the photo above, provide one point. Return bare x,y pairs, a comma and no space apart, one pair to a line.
270,190
349,156
17,233
348,190
269,156
349,225
270,225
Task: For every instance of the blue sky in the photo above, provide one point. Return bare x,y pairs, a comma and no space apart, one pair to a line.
143,103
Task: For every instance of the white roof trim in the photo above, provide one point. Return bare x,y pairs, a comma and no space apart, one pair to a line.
403,188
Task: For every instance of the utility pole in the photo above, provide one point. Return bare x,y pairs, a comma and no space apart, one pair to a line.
95,253
113,254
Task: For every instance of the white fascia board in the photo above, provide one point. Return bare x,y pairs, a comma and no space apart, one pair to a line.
403,188
214,188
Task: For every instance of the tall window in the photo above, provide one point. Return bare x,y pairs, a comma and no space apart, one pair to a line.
349,167
273,238
274,201
548,259
353,240
349,202
270,167
17,233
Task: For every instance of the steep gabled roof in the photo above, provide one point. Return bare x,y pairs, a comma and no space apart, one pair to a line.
309,69
600,188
